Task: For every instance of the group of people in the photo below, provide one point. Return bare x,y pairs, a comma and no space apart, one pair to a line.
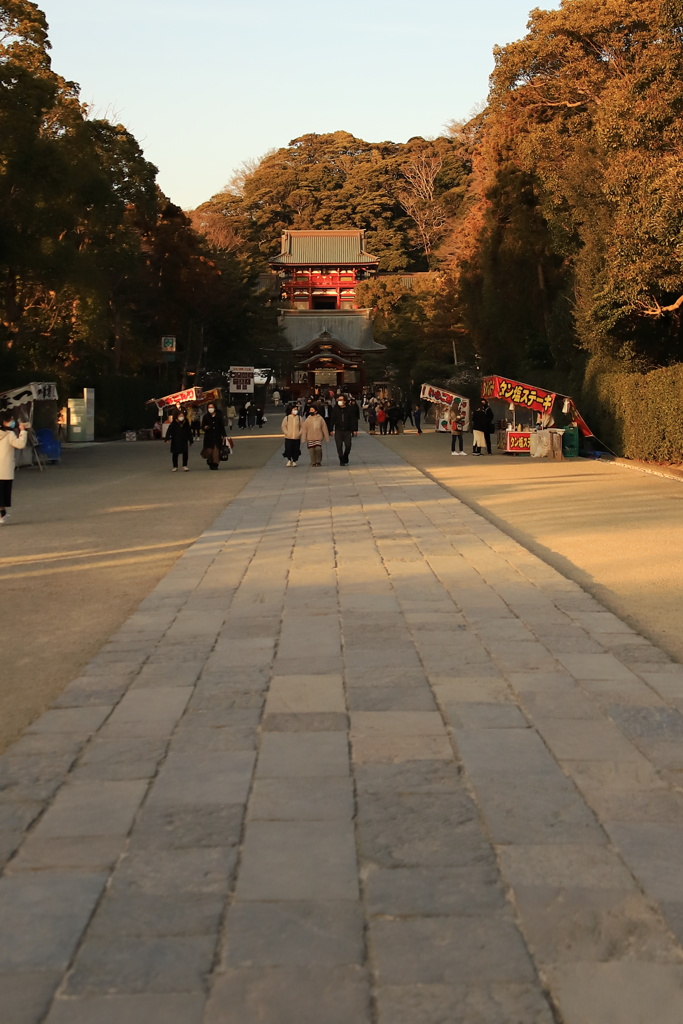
482,429
390,417
180,435
250,415
314,421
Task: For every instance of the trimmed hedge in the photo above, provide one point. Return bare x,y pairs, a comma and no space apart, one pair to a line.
638,415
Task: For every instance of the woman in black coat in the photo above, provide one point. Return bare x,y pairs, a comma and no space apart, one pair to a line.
179,436
214,432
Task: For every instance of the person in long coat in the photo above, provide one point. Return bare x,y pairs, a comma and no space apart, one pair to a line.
291,428
313,432
179,436
214,432
9,441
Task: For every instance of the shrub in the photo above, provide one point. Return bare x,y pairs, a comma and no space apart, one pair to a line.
638,415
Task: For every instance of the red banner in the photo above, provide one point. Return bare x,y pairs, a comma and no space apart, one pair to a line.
437,395
189,395
520,394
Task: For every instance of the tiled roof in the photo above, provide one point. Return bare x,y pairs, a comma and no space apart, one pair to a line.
324,248
353,328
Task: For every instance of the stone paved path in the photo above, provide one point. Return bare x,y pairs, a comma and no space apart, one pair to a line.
358,759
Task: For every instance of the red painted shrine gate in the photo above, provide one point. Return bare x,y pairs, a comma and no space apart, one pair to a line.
318,272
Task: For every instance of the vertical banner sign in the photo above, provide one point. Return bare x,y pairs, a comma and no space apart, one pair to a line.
242,380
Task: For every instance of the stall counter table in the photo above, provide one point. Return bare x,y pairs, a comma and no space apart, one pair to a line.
514,442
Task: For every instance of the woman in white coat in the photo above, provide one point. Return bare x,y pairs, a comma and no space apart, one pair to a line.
9,440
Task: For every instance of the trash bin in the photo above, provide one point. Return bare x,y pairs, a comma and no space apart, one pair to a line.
49,448
570,443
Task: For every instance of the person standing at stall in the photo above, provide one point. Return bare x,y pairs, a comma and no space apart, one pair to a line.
9,442
291,428
179,436
456,422
489,424
214,434
479,424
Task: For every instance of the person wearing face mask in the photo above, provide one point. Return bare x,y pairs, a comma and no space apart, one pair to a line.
9,440
214,434
313,432
291,428
179,436
344,426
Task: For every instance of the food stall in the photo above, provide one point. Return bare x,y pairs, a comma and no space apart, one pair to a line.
38,405
532,421
445,402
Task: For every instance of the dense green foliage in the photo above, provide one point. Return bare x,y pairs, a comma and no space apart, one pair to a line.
95,263
636,414
401,195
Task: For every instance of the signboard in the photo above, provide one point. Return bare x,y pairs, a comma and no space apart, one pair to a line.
447,401
518,441
242,379
168,343
437,395
179,398
519,394
36,392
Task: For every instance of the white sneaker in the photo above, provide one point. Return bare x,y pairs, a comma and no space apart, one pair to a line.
294,465
186,469
175,469
454,453
289,462
462,453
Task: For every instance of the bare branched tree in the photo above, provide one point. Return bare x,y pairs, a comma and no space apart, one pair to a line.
417,195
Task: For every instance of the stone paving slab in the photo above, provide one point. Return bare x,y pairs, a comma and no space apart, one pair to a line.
359,757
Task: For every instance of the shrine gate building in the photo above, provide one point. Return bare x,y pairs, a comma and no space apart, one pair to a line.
318,272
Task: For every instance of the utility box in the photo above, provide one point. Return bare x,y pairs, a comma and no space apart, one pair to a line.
81,418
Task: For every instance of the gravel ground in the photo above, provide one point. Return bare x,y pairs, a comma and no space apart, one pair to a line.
87,541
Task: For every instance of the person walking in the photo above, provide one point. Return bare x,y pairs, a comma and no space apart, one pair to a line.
231,415
179,436
479,424
456,422
417,417
313,432
291,428
344,427
372,418
214,434
9,442
382,418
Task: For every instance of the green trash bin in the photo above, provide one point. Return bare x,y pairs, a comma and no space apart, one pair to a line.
570,443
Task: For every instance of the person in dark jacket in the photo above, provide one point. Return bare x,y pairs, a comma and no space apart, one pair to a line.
214,433
489,425
179,436
344,426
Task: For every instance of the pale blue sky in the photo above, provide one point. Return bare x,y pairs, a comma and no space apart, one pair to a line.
206,84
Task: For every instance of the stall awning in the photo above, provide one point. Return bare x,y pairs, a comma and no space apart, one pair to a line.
178,398
439,396
36,392
529,397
